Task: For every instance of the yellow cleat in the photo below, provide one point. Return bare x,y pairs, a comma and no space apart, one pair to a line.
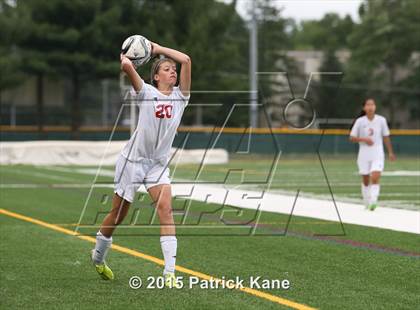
104,271
171,281
372,206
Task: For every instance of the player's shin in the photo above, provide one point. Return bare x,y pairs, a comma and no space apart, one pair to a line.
366,193
375,189
101,248
169,247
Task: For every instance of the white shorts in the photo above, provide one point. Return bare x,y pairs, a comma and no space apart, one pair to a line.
366,167
129,176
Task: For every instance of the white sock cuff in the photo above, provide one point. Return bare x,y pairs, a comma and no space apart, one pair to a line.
102,237
167,238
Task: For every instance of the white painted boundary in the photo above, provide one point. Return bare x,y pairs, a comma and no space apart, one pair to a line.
90,153
350,213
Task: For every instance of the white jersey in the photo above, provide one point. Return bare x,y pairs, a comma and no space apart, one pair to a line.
158,120
375,129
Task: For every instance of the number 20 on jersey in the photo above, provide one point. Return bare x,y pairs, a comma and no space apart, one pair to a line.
163,111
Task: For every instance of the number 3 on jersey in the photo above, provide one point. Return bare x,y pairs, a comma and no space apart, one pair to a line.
163,110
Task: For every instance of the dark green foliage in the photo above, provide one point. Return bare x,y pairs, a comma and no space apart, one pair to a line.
381,44
79,42
330,32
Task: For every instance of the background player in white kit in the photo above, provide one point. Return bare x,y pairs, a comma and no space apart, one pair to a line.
371,131
144,159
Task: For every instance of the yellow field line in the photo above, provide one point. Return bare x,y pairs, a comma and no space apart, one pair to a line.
267,296
239,130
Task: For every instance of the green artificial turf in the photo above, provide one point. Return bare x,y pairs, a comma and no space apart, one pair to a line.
358,268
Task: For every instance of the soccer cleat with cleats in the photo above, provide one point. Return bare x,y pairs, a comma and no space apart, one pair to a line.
103,270
372,206
170,281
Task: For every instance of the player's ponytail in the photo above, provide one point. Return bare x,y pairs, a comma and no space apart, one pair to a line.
362,113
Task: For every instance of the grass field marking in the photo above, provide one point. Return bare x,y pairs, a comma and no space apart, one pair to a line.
39,174
104,172
257,293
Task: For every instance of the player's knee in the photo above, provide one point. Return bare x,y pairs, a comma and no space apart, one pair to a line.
375,180
164,209
119,214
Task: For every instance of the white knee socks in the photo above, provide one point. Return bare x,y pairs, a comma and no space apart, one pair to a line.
169,245
101,248
374,193
366,194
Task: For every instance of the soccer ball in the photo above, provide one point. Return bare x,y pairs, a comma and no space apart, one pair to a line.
138,49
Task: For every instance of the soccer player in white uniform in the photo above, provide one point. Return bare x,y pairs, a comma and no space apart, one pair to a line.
144,159
371,132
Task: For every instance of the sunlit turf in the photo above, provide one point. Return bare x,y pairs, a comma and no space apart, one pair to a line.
359,268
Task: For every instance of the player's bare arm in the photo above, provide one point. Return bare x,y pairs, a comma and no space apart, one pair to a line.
368,141
128,67
388,144
183,59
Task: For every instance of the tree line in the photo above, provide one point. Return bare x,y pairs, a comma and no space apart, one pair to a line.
80,41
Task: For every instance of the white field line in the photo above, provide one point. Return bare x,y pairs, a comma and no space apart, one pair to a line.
352,198
111,173
401,173
351,213
389,194
40,174
88,171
